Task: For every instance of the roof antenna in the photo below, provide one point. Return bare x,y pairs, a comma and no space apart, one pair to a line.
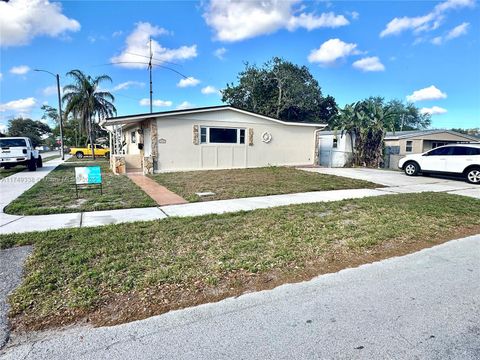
150,69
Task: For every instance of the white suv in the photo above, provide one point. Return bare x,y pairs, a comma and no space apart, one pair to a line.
455,159
19,151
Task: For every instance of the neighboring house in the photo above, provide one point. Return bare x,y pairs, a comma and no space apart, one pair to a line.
335,149
401,143
219,137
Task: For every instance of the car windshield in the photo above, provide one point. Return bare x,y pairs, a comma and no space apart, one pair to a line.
12,142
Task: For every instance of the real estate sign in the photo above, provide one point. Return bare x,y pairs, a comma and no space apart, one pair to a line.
88,175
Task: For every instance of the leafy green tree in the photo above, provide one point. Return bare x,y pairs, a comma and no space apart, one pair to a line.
366,122
35,130
282,90
406,116
85,101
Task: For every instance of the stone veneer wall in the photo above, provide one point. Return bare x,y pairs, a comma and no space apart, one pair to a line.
118,164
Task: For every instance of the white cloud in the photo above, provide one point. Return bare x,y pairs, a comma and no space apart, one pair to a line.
157,103
428,93
457,31
20,106
51,90
434,110
240,20
3,128
430,21
20,70
136,50
372,63
128,84
1,76
220,53
23,20
190,81
117,33
332,50
210,90
184,105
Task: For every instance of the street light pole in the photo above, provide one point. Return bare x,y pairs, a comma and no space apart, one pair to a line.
62,151
59,110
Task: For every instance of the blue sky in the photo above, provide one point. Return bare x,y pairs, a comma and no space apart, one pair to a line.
423,51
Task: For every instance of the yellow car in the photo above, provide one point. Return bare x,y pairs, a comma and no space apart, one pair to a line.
100,150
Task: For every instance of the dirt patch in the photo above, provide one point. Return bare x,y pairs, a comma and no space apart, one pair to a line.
136,305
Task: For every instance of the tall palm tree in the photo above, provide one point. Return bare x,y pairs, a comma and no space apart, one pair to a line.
84,99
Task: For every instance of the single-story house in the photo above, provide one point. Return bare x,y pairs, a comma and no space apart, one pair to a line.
419,141
217,137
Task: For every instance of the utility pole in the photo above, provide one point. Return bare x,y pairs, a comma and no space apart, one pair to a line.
62,150
59,109
150,69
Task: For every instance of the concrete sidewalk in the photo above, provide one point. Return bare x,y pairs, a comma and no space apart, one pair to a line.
420,306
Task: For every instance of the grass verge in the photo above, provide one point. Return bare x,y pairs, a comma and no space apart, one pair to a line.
241,183
56,193
131,271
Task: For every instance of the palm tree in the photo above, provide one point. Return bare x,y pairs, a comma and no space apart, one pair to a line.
84,99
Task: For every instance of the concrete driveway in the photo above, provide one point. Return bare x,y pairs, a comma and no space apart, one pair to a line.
398,182
420,306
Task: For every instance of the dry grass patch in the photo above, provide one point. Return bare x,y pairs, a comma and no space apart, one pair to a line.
56,193
119,273
241,183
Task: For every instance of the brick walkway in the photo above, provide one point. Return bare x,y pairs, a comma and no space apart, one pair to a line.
157,192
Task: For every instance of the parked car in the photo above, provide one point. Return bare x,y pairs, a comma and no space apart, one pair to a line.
456,159
19,151
81,152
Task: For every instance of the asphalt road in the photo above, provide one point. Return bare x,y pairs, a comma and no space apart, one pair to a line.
11,265
422,306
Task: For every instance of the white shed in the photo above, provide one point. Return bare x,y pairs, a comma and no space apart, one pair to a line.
220,137
335,149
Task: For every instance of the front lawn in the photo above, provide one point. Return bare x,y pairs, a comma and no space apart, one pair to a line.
56,193
119,273
241,183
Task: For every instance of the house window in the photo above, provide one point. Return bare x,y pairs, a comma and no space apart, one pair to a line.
133,137
335,143
409,146
242,136
214,135
203,135
437,144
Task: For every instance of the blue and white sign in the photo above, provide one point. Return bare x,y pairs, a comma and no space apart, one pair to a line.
88,175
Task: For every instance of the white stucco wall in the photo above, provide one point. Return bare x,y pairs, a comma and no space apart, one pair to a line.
290,145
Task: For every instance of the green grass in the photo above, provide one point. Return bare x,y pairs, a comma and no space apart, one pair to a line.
123,272
13,170
56,193
48,158
241,183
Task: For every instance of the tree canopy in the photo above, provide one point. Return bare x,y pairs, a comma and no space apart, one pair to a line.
282,90
35,130
85,101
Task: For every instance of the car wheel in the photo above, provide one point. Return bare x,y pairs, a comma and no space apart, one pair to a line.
473,175
79,155
411,168
39,162
107,155
32,164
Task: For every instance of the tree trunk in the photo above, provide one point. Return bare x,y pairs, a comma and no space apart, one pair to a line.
90,135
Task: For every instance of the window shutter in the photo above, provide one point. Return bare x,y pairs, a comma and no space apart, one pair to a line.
250,137
195,135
